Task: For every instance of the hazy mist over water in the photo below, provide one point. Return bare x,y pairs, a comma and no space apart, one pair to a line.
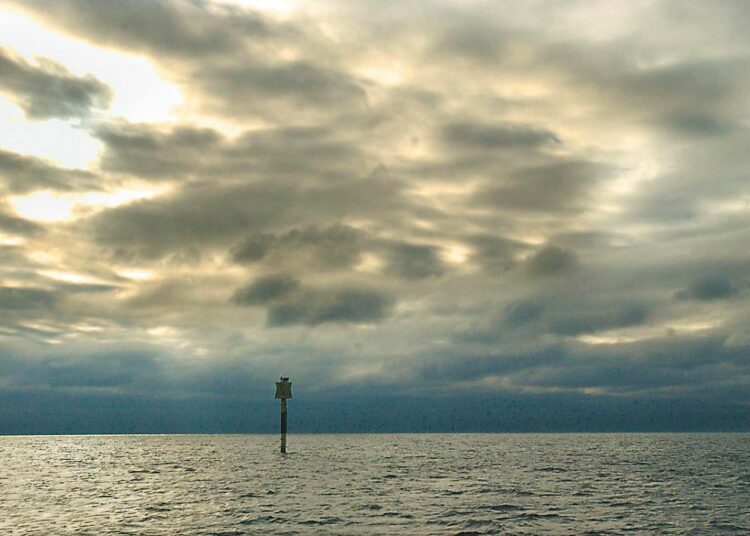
377,484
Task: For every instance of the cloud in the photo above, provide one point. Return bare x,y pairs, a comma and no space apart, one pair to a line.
431,198
590,320
162,296
168,27
14,225
695,124
240,71
708,288
265,289
319,306
496,254
22,173
551,260
574,315
48,90
188,152
475,367
254,248
25,298
337,246
211,214
414,261
523,312
557,187
481,136
298,86
149,153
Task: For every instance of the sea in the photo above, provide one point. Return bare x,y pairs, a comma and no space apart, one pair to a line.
376,484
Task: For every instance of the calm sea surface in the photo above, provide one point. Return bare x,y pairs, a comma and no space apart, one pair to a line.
377,484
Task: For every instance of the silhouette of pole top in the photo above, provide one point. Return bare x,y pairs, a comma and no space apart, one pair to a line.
284,388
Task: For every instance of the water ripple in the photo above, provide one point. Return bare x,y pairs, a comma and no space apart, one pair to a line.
377,484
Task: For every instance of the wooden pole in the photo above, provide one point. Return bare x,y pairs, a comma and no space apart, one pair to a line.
283,425
283,392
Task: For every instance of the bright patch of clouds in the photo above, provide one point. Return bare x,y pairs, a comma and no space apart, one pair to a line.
277,7
60,141
139,92
53,207
45,207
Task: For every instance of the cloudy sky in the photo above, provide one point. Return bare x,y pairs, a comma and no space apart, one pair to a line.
440,214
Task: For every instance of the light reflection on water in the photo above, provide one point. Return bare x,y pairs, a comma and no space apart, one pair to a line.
376,484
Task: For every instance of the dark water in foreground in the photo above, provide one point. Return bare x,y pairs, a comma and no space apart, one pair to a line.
377,484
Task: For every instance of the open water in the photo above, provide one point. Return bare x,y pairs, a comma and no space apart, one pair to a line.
377,484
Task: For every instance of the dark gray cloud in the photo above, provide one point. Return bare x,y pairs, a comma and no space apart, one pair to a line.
414,261
575,315
482,136
476,367
86,288
254,248
551,260
523,312
331,306
679,365
49,90
25,298
265,290
472,39
148,153
496,254
22,173
590,320
556,187
185,151
276,90
696,124
210,214
14,225
118,370
334,247
162,27
709,288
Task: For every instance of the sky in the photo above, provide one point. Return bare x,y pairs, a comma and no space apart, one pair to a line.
437,215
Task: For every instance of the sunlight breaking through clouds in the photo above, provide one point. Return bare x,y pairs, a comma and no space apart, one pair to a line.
54,207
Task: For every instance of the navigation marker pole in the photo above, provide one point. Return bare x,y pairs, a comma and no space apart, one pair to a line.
283,391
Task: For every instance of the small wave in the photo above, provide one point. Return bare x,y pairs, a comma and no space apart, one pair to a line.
496,489
728,527
263,519
158,509
501,507
622,503
402,515
323,521
552,470
534,515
